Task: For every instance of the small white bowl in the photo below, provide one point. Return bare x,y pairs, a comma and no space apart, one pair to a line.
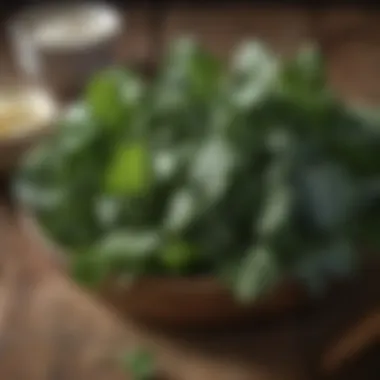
27,114
64,45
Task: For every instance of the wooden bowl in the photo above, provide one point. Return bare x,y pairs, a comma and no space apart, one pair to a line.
180,302
194,302
42,112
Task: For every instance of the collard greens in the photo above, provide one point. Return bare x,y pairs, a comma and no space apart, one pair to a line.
253,172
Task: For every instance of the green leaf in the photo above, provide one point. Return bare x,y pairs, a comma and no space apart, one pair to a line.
130,172
89,269
279,197
113,95
334,259
277,212
329,196
177,255
254,75
303,79
183,206
190,75
212,168
77,130
108,210
258,273
341,258
129,245
309,268
166,163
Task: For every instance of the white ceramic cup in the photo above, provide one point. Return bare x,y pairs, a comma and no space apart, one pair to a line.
63,45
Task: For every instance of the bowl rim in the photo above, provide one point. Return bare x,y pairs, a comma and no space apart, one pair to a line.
43,126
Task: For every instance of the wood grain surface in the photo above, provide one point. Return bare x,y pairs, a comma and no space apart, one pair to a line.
51,329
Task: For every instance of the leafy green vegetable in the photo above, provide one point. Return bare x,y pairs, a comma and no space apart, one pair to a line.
254,172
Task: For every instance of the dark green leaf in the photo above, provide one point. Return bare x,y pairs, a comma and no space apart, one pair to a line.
89,269
177,256
329,195
335,259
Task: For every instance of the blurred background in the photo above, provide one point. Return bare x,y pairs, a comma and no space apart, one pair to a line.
349,35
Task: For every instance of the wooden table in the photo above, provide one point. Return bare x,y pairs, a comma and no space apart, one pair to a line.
50,329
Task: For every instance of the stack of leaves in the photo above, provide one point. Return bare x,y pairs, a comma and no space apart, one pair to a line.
253,172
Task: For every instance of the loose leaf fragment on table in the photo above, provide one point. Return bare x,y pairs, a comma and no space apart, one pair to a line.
140,363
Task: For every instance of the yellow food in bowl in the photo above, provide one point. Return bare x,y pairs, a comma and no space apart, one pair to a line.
22,111
13,117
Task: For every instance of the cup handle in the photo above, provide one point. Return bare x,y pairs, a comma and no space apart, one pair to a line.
25,52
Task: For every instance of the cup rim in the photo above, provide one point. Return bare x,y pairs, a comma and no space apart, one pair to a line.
21,22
